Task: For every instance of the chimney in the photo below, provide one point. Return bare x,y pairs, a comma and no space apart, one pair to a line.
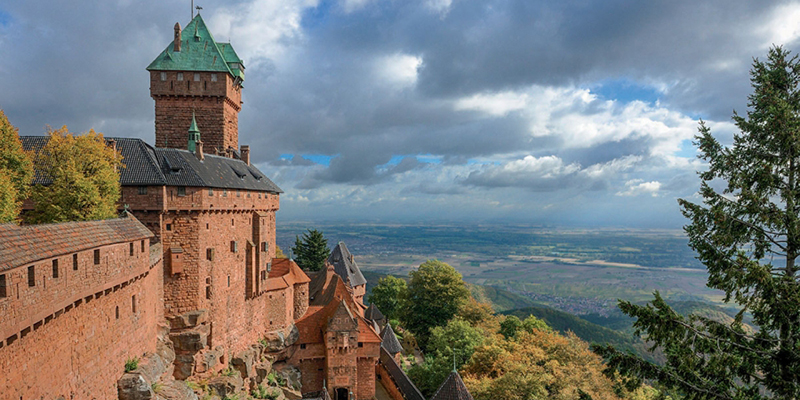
244,154
199,150
113,144
177,46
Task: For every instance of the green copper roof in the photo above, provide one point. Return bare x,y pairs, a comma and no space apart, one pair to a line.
199,52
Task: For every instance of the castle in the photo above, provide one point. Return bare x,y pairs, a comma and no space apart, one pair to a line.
186,280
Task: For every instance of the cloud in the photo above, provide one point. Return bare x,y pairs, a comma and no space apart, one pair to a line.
398,69
636,187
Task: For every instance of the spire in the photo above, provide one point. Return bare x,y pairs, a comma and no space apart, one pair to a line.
389,341
194,135
452,388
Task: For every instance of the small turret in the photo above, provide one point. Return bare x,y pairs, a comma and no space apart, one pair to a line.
194,135
177,40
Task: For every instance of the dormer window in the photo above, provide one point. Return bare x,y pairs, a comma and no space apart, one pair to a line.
213,77
180,76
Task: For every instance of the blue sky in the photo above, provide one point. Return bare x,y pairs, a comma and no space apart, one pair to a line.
575,113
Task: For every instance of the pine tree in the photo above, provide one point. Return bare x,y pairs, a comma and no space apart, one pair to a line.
84,179
311,251
16,171
748,236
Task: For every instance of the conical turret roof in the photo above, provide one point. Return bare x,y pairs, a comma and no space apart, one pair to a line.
452,388
345,265
389,341
373,313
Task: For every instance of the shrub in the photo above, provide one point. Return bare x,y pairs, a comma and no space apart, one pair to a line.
131,364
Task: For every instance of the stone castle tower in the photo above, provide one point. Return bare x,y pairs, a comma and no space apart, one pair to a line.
196,74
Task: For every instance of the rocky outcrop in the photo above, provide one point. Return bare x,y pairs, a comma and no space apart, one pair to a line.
280,340
133,386
290,374
224,385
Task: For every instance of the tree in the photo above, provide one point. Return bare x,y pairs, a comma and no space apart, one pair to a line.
84,178
386,295
16,171
279,252
311,251
748,237
435,293
458,337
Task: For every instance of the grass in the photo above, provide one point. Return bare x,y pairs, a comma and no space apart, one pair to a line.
131,364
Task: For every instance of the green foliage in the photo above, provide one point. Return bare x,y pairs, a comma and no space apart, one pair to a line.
263,392
131,364
748,237
510,326
157,387
435,293
272,378
84,175
311,251
387,294
229,371
16,171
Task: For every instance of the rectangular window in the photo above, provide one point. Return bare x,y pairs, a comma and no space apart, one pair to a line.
264,247
163,76
196,77
234,246
224,192
142,189
180,76
210,254
210,191
3,286
97,257
31,276
130,249
238,193
55,269
75,262
360,344
133,304
213,77
169,227
142,246
181,191
302,345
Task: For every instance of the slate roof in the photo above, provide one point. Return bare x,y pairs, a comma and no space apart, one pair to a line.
374,314
401,380
389,340
452,388
199,52
149,166
23,245
345,265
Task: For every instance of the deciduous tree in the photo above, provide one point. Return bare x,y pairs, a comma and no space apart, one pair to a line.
748,237
311,251
435,293
16,171
387,294
83,176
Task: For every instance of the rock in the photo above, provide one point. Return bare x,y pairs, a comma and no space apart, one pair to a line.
224,385
175,390
184,366
262,370
275,341
293,335
292,394
244,362
133,386
289,373
188,320
190,341
210,360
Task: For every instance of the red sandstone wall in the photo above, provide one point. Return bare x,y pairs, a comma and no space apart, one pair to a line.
366,378
300,300
388,383
78,351
216,107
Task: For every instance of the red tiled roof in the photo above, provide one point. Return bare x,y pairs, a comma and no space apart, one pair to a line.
289,270
323,306
21,245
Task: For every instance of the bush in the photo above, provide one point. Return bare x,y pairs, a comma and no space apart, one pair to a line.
131,364
263,392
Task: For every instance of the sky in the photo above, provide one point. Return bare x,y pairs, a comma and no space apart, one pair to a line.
565,113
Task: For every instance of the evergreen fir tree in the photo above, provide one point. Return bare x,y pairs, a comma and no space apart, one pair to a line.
748,236
311,251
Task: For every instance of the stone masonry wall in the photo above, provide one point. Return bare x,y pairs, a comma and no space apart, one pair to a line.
78,350
215,104
366,378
